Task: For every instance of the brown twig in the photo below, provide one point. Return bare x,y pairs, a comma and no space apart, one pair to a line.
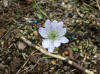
57,56
70,53
22,66
4,35
28,70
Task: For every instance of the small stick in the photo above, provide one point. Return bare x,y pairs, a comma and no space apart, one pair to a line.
42,50
25,63
22,66
32,67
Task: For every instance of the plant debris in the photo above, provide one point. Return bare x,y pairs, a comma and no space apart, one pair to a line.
82,21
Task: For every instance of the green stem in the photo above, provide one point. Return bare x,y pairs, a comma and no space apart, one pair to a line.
34,1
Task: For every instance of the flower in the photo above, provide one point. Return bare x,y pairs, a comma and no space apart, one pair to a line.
53,34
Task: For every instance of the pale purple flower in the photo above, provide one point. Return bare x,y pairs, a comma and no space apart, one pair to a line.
54,34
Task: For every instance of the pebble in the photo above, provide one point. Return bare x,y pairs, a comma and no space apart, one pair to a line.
66,53
94,70
53,62
63,5
21,45
79,47
35,33
2,43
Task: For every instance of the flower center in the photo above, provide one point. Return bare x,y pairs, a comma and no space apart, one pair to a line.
52,35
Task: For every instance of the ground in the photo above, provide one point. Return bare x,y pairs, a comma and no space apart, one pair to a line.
24,17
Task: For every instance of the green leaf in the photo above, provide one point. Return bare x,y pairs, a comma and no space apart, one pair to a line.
66,72
75,49
86,46
41,11
56,49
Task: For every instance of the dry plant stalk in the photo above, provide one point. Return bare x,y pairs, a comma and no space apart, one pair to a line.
42,50
98,3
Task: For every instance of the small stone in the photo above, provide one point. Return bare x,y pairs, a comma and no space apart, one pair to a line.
69,6
21,45
31,34
35,33
65,68
79,47
52,68
63,5
25,27
88,57
2,43
21,31
77,41
66,53
94,70
98,24
94,56
53,62
98,56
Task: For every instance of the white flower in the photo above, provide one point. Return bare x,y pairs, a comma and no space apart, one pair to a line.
53,34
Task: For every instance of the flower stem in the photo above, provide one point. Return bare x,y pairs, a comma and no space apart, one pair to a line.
41,11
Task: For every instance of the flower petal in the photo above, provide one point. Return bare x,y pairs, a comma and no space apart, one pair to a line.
63,39
54,24
61,31
43,32
60,40
58,27
47,43
47,23
50,50
61,24
57,43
